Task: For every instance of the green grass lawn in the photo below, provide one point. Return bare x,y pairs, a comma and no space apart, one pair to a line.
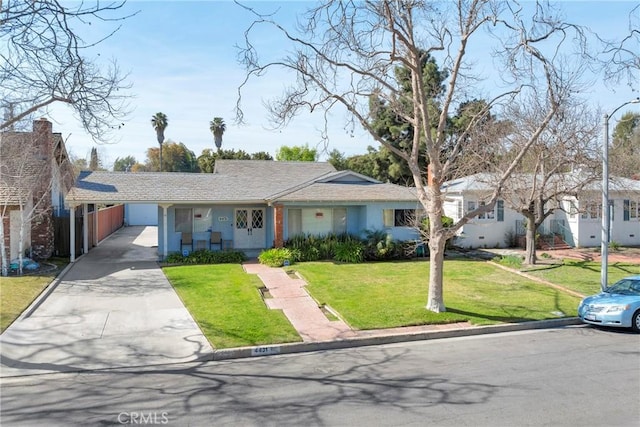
584,276
226,303
391,294
17,293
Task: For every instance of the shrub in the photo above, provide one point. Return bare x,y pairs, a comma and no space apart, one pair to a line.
207,257
350,251
614,246
313,247
276,257
379,246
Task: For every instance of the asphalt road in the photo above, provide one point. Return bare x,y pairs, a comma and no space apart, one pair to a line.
559,377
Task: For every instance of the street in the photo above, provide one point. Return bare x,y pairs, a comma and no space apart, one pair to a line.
561,377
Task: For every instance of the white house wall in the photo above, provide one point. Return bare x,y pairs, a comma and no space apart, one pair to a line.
624,233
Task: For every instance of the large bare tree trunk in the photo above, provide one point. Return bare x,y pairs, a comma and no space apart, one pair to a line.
436,273
3,250
530,251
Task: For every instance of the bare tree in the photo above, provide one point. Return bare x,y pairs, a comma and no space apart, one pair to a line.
44,61
563,160
345,54
620,58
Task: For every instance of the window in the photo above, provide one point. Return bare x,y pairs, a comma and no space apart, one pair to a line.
400,217
294,222
500,209
571,208
593,210
471,205
459,211
340,220
316,221
488,215
631,210
202,219
183,220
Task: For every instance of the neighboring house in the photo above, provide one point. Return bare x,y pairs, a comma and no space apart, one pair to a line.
578,220
255,204
35,175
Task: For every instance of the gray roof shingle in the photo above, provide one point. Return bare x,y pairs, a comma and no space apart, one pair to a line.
234,181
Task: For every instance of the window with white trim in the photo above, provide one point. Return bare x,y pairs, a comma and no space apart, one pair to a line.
459,209
592,210
631,210
183,220
471,205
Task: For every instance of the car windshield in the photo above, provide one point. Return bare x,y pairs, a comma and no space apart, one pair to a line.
625,287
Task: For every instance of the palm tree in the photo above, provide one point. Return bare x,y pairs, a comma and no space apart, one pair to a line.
217,127
160,122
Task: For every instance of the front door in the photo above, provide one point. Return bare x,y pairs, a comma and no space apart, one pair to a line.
249,230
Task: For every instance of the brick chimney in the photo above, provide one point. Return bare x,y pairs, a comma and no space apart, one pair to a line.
42,138
42,233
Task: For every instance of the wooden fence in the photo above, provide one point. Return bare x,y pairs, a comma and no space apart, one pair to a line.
109,220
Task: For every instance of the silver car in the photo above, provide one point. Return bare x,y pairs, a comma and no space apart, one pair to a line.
618,305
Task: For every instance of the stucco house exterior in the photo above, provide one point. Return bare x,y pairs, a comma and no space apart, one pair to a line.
255,204
35,175
578,220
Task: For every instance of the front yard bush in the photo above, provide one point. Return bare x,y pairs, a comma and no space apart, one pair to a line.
380,246
377,246
208,257
276,257
351,251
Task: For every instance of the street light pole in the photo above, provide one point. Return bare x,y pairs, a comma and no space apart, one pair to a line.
604,241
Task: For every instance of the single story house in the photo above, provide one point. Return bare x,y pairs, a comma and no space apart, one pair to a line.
254,204
35,175
578,219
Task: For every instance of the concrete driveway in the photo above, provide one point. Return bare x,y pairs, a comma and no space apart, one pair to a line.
113,308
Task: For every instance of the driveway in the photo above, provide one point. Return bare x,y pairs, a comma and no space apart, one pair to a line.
113,308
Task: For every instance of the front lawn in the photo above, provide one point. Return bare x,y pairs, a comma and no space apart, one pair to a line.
584,276
18,292
392,294
226,303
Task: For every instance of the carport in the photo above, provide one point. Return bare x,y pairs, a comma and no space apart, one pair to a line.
163,189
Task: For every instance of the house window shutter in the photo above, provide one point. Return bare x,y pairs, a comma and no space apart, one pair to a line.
626,213
500,210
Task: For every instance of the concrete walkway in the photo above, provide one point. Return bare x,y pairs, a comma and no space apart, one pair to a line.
113,308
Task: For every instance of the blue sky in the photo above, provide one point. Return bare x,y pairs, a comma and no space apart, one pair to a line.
182,60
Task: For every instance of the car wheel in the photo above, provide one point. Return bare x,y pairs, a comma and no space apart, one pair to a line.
635,321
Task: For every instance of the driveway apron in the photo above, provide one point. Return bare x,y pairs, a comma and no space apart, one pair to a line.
113,308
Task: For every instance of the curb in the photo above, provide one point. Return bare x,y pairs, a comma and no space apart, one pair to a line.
271,350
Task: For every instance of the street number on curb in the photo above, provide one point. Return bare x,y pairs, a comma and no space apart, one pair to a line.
264,351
